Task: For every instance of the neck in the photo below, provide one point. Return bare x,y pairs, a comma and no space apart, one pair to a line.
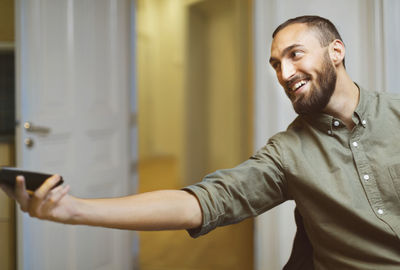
344,99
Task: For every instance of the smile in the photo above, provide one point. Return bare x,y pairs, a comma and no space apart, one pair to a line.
298,86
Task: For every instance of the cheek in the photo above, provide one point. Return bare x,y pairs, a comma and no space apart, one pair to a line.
310,65
306,67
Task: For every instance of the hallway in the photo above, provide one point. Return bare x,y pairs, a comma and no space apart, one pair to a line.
176,250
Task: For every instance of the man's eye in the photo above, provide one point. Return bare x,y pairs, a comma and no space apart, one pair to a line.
276,66
296,54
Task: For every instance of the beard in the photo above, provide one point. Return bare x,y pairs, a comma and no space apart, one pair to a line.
318,95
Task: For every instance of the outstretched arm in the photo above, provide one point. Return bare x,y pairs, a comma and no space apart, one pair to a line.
157,210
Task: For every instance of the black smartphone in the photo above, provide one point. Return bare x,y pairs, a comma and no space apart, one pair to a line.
33,180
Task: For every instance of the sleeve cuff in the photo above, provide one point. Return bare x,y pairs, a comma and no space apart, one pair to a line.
204,228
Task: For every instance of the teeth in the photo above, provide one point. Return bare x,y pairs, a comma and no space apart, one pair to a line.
299,84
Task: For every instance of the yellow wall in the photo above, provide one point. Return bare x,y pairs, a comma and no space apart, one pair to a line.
160,77
168,108
218,88
6,20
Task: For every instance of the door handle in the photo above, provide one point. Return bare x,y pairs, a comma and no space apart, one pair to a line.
29,127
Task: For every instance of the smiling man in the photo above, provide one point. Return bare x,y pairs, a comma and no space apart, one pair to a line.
339,161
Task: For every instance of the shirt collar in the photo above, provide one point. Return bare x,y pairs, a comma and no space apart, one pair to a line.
328,123
361,111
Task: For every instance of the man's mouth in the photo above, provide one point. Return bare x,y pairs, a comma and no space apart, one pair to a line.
299,84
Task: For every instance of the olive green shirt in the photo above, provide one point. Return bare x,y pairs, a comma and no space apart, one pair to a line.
346,185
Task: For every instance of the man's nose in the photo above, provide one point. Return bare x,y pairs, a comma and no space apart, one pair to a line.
287,70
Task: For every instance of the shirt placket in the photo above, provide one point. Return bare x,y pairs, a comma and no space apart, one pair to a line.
367,177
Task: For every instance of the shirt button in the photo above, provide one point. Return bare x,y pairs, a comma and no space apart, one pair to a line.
330,132
336,123
355,144
380,211
366,177
364,122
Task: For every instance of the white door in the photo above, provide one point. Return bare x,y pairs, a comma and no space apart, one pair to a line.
73,79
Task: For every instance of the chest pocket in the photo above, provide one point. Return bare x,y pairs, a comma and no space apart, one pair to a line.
395,175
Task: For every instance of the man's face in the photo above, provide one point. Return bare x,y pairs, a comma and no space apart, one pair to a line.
303,67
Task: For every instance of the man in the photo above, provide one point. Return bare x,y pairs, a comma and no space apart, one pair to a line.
339,160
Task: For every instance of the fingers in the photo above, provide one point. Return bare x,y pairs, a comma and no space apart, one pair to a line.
40,196
44,189
56,194
21,194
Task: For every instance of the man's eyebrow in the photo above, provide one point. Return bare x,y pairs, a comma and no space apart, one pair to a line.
284,52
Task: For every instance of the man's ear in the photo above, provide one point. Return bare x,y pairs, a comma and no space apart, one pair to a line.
337,51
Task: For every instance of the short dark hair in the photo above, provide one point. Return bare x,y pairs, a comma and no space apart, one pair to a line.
325,29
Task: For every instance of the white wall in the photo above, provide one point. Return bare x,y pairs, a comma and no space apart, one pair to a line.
371,32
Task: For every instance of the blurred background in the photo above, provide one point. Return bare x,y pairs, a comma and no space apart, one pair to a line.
126,96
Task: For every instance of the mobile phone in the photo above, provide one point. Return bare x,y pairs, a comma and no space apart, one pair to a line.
33,180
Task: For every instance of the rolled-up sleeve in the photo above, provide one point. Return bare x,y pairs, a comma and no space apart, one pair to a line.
231,195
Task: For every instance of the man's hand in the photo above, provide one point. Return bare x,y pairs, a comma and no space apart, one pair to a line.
44,203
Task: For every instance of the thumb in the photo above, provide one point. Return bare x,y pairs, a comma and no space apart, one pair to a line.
21,194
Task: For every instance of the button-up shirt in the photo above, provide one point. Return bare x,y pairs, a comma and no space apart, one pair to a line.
346,185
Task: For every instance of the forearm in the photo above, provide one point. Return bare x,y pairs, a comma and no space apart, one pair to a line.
157,210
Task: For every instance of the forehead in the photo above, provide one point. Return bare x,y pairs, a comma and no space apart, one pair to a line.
298,33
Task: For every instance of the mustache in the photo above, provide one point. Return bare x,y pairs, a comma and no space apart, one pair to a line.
296,79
